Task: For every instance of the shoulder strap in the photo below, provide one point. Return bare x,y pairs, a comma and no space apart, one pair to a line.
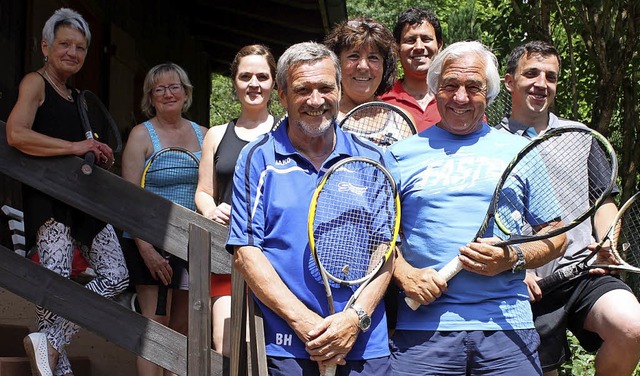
155,141
196,128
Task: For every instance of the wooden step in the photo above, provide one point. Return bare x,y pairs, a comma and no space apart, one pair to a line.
19,366
12,336
13,358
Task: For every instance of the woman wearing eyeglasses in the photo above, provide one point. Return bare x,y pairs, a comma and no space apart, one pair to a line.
167,96
368,55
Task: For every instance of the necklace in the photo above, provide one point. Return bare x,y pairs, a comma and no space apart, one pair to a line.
68,96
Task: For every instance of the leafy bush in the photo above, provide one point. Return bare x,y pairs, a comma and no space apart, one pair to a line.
581,362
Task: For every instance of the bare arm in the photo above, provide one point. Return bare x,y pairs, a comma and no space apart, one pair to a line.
603,217
207,187
483,258
20,122
268,287
137,150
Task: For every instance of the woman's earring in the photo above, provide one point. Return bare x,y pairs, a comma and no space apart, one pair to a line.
46,58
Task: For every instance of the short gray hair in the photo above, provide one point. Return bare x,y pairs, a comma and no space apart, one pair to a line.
65,17
304,53
458,50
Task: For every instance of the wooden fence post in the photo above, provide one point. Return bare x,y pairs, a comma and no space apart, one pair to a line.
199,338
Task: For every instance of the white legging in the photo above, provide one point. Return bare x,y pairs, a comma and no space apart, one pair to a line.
55,247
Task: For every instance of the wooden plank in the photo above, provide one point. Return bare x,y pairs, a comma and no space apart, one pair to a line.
110,198
199,338
256,340
12,212
103,317
238,325
16,225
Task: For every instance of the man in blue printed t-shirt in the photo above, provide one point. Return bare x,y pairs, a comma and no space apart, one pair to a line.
479,322
274,181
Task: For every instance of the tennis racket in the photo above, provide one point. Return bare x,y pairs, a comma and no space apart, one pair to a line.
98,124
174,170
381,123
624,238
556,182
354,219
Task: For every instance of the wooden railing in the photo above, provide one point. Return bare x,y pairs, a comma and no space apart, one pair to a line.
162,223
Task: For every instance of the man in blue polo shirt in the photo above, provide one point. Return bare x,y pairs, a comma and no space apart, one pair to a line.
273,184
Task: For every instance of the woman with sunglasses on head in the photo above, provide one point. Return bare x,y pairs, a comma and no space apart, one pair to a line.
368,58
166,97
253,72
45,122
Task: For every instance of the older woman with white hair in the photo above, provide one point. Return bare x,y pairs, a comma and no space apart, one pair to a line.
447,177
45,122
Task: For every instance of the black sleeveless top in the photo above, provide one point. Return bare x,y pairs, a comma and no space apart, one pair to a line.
58,118
225,159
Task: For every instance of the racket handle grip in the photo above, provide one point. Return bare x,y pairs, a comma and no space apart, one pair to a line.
447,272
87,165
559,276
411,303
330,370
451,269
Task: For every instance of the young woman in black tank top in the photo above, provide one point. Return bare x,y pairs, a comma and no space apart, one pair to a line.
253,71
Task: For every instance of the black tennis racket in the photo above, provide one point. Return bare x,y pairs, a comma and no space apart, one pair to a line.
353,224
173,170
565,174
381,123
623,237
98,124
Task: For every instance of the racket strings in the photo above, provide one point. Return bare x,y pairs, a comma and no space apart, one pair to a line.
628,244
104,128
353,222
554,184
378,124
173,174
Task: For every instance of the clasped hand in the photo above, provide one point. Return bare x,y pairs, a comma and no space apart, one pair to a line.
330,339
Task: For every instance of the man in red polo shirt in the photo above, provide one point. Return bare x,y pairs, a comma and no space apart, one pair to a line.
419,37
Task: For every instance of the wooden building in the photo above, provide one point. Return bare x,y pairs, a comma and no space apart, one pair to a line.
131,36
128,38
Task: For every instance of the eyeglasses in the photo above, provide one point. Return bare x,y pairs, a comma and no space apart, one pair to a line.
160,90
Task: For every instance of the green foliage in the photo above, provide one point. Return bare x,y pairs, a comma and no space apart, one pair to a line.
462,24
582,363
224,104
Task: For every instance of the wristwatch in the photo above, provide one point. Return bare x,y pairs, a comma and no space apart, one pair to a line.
520,263
364,321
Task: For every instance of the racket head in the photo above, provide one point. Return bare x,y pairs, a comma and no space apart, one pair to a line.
173,169
381,123
557,181
97,122
354,219
625,242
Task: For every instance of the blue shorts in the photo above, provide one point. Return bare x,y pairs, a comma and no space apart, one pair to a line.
304,367
506,353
